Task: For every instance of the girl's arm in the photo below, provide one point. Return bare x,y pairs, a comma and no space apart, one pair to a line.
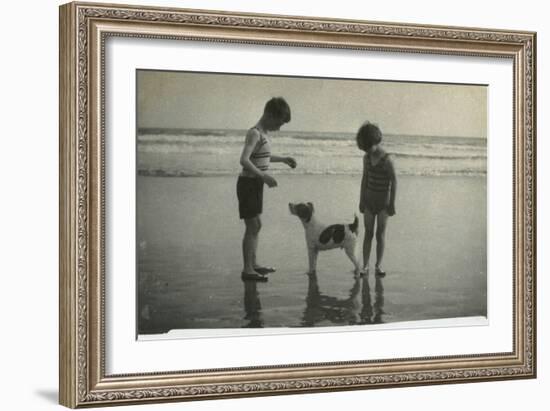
393,187
363,185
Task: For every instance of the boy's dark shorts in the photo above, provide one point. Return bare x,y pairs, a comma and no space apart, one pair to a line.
250,192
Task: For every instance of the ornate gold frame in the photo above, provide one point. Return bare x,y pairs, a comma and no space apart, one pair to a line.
83,30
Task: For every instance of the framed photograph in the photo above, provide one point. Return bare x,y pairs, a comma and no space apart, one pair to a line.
260,204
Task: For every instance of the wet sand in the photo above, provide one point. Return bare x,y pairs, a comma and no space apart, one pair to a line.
189,255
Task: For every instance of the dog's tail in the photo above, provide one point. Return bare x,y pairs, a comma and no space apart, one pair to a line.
354,227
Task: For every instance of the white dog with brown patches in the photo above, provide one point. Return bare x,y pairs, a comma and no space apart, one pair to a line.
325,237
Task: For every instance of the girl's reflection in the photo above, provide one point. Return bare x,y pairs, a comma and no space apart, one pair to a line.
323,309
372,313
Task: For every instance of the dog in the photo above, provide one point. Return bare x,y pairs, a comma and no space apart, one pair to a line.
322,237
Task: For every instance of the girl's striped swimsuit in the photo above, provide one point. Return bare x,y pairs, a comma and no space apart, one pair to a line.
377,193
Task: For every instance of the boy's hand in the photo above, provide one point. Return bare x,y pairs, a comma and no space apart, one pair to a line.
391,210
270,181
289,161
362,207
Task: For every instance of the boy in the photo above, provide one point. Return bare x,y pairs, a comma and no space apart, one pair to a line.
255,158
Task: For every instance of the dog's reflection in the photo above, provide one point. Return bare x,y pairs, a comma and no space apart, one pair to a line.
358,308
252,306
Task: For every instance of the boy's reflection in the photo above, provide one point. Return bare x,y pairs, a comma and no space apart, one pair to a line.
252,306
356,309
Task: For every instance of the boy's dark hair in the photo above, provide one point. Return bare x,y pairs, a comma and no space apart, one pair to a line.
368,135
279,108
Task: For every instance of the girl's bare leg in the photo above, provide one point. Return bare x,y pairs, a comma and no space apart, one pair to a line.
369,233
382,218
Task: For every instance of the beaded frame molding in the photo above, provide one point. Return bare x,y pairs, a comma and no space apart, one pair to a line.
84,27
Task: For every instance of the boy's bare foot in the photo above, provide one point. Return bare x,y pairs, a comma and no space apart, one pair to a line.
253,277
379,272
264,270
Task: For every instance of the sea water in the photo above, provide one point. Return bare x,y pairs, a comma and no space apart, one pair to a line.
187,153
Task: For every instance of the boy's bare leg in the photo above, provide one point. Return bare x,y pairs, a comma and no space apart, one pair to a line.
381,236
255,245
369,233
250,243
257,267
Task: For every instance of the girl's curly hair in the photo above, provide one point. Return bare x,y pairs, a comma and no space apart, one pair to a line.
368,135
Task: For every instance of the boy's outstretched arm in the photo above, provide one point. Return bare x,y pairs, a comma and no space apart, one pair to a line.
289,161
252,138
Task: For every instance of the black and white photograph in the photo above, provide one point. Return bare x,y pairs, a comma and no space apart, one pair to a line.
295,202
270,205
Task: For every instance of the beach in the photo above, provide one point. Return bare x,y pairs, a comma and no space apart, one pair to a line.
190,260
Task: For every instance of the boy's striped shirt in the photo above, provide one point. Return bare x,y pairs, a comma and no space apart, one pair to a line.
261,156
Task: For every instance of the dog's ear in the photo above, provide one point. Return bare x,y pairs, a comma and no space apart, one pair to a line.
310,205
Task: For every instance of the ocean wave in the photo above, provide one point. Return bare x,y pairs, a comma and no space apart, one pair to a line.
315,146
161,139
217,173
440,156
303,151
313,136
183,131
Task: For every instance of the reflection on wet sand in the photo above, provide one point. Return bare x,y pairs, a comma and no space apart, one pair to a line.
252,306
355,309
372,312
189,259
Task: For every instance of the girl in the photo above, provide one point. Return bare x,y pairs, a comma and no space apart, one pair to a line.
378,189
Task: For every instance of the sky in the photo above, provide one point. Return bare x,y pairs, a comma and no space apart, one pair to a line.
167,99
